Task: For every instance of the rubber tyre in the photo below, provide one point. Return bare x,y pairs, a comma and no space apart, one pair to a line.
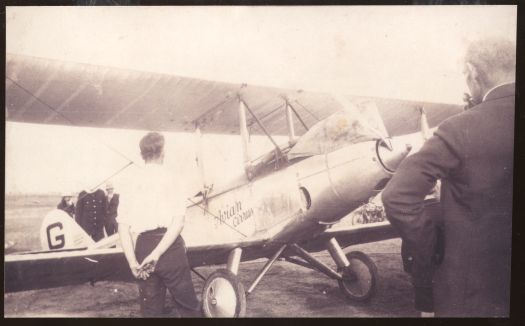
362,267
220,288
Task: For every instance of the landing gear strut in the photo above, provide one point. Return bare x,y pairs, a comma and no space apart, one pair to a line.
224,296
358,272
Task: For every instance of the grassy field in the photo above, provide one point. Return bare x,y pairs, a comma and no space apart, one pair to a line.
23,216
286,291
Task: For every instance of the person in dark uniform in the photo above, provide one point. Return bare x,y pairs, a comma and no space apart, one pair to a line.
66,204
152,205
472,154
91,213
112,201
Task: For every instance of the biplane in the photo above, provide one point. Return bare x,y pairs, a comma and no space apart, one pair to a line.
286,204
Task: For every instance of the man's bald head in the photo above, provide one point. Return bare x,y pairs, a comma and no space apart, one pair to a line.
488,63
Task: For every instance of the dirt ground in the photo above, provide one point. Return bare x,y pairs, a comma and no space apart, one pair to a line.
287,290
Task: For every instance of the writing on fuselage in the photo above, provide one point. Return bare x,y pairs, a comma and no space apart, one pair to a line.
234,214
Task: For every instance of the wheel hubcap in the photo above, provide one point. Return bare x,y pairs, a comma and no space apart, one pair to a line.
349,275
357,279
222,298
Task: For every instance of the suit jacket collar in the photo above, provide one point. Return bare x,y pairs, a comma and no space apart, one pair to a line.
500,91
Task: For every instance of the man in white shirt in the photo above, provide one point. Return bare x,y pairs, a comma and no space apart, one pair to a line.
152,207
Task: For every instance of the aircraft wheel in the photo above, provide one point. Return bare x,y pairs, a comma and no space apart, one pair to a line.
223,295
359,278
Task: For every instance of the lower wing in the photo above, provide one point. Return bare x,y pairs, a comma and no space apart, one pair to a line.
48,269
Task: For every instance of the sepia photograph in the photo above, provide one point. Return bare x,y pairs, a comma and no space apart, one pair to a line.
259,161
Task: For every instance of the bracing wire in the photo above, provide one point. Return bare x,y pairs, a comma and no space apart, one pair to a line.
130,161
215,216
311,113
63,116
111,176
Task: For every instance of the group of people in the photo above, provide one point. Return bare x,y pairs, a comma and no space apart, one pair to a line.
95,211
471,154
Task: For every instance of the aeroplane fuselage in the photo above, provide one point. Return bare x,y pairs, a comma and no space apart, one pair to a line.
295,202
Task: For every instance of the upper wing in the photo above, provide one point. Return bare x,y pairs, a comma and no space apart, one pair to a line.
55,92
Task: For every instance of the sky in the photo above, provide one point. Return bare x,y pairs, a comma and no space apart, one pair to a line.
407,52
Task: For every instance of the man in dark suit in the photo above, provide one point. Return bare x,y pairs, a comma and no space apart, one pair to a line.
112,200
472,154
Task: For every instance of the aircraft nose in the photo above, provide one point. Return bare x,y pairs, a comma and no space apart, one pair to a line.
391,154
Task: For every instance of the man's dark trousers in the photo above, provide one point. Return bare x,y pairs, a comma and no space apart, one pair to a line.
172,272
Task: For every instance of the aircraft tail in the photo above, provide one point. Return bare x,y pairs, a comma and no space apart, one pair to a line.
60,231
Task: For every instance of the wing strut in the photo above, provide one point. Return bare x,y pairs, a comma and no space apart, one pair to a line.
297,115
289,120
278,151
244,132
425,130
